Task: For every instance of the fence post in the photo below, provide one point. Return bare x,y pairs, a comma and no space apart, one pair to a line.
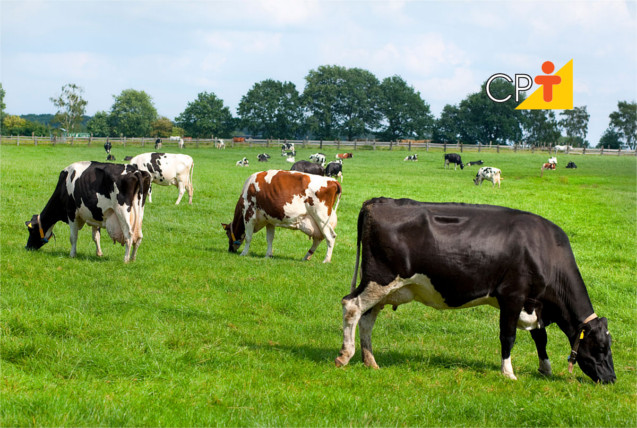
619,152
460,146
355,146
444,147
390,145
338,144
197,143
584,150
409,145
321,144
601,153
427,146
374,145
90,139
35,142
123,140
497,148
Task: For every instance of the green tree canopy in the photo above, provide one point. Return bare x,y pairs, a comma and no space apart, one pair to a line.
206,116
162,127
70,107
624,121
611,139
540,127
132,114
98,125
448,128
271,109
575,124
341,102
3,106
404,113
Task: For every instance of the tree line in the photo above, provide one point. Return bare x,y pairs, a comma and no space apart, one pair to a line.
337,103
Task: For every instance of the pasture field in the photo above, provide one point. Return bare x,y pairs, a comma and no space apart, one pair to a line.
191,335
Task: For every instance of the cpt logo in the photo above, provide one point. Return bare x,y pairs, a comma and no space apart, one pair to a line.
555,92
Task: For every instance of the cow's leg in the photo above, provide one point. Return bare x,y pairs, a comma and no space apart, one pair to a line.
96,239
75,228
509,314
310,252
330,239
136,245
539,337
365,326
190,189
354,307
249,232
269,229
182,189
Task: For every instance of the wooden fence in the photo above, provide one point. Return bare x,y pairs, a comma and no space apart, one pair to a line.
315,144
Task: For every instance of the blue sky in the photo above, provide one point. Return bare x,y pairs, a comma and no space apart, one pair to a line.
174,50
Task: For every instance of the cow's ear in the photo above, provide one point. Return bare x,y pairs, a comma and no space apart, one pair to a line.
29,225
225,226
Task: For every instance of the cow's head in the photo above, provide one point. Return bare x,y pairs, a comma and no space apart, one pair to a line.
594,355
477,179
37,236
234,242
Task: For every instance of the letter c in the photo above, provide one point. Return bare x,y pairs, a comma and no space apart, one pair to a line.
491,79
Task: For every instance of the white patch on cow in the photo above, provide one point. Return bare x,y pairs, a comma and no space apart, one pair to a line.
420,288
78,168
270,175
528,321
507,369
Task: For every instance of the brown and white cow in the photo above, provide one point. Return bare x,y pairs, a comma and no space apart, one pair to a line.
344,155
100,195
168,169
290,199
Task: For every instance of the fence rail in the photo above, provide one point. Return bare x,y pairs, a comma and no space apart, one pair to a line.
317,144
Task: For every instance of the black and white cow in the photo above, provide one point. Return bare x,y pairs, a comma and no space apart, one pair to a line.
263,157
318,158
335,169
100,195
478,162
243,162
287,149
455,159
571,165
451,256
413,157
494,175
107,147
308,167
168,169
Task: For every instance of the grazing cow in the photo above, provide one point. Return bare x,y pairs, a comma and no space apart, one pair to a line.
547,165
451,256
158,144
488,173
286,148
263,157
108,146
243,162
571,165
335,169
455,159
474,163
220,144
413,157
289,199
100,195
308,167
168,169
110,157
318,158
344,156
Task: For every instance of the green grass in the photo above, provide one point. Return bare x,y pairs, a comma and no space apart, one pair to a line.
191,335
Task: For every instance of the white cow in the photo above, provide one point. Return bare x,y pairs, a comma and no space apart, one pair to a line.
168,169
488,173
564,148
220,144
318,158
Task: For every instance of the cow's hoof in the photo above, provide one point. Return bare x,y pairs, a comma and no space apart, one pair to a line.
340,361
509,376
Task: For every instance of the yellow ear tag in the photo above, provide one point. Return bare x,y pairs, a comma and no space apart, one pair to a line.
29,225
581,336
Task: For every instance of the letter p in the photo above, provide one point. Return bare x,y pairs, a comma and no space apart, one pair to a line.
518,85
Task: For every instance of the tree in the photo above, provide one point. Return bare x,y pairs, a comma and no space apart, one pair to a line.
404,113
70,107
341,102
447,128
206,116
540,127
624,121
271,109
132,114
611,139
2,104
13,125
161,127
98,125
575,124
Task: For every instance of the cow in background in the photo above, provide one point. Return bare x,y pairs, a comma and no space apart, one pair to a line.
168,169
453,256
488,173
243,162
220,144
308,167
413,157
318,158
289,199
263,157
335,169
571,165
344,156
287,149
547,165
455,159
479,162
100,195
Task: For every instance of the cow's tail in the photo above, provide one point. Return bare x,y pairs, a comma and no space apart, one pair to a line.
338,200
359,233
